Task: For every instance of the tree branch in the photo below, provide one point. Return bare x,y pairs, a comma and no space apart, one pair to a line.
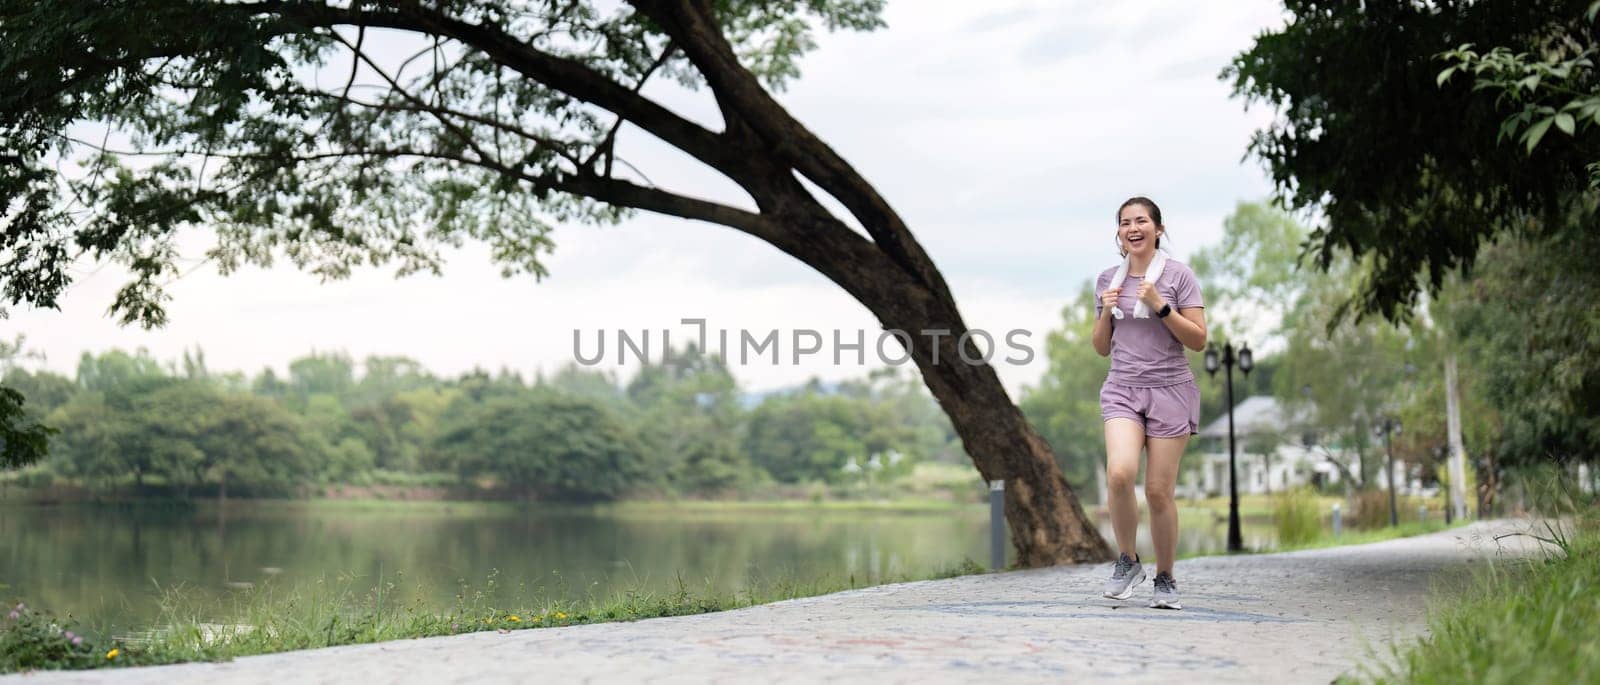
575,79
694,29
558,145
607,145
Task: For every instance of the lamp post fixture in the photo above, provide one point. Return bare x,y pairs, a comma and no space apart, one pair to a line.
1245,362
1388,427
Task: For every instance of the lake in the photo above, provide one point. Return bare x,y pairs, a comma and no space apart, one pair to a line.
110,565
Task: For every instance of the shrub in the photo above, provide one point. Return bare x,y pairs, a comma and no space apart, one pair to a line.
1296,516
32,640
1369,509
37,476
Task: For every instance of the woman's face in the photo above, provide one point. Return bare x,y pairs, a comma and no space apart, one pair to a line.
1136,232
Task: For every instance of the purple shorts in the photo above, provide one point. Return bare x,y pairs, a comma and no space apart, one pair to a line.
1171,411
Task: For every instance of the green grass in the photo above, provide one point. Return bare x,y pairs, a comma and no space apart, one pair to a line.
1326,539
1406,529
342,611
1515,621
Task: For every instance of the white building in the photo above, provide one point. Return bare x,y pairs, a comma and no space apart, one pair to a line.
1274,453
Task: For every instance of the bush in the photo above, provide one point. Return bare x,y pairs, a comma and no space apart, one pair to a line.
37,476
31,640
1296,514
1369,509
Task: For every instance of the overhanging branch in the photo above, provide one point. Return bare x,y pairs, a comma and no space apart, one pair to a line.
571,77
692,26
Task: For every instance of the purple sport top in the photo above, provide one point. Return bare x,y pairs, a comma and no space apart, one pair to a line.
1144,354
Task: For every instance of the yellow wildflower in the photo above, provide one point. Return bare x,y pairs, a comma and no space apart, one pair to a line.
560,615
113,653
514,618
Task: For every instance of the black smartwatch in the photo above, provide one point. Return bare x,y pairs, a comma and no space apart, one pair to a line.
1165,310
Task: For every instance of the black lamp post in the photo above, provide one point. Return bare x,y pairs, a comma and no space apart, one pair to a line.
1387,427
1235,540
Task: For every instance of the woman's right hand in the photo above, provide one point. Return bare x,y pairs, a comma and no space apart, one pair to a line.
1108,300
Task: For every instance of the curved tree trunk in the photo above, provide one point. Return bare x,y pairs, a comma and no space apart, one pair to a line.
764,149
1047,522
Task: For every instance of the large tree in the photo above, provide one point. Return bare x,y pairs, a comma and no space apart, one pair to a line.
1423,133
1413,169
543,443
505,118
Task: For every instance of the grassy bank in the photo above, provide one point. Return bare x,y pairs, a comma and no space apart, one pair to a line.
332,612
198,623
199,626
1515,621
1361,537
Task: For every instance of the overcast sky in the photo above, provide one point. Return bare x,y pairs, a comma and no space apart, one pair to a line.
1006,134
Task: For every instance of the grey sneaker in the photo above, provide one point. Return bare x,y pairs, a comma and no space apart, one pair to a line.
1127,573
1166,592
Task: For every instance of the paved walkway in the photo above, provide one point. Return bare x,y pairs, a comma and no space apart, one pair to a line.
1294,617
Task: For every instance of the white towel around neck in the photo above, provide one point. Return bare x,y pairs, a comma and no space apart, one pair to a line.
1151,274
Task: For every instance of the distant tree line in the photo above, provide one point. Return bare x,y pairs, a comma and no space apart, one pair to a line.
128,423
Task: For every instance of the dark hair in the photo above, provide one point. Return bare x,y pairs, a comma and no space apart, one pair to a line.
1155,215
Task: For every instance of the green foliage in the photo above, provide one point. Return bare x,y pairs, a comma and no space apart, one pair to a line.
44,390
1555,86
688,416
133,425
1534,347
1355,372
920,430
831,438
1253,275
1297,515
1408,172
118,371
22,441
499,123
33,640
188,434
399,428
553,446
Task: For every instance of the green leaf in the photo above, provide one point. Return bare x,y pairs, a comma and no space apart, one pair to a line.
1507,129
1445,75
1594,8
1565,123
1536,132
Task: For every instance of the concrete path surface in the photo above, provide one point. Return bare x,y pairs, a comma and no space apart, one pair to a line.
1292,617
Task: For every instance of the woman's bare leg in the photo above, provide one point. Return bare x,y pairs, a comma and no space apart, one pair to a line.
1160,482
1124,440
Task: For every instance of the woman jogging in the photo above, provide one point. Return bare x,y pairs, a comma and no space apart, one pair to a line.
1149,309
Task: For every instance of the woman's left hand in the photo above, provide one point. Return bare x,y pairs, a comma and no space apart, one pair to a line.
1149,296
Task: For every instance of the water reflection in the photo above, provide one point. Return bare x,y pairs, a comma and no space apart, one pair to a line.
109,565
